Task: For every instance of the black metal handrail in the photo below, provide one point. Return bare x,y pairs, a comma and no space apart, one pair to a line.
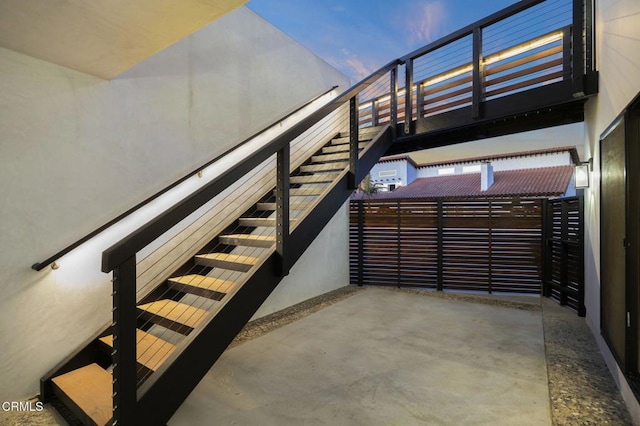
38,266
143,236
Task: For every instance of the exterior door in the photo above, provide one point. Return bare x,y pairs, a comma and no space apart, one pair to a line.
612,241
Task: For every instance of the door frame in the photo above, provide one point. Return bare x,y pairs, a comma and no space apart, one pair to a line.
630,119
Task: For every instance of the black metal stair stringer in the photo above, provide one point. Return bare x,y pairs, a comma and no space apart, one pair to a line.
166,390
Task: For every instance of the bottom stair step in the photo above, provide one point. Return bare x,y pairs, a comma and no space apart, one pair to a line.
151,350
87,393
174,315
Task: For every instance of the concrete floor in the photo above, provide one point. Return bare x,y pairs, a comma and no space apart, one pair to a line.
383,358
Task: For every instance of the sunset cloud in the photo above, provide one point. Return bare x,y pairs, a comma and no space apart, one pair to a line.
425,21
352,65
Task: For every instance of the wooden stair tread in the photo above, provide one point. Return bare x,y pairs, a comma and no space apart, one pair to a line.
292,206
317,178
204,282
305,192
90,389
151,350
341,147
330,157
265,222
176,312
234,262
264,241
336,166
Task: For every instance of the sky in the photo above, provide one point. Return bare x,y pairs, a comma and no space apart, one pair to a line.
360,36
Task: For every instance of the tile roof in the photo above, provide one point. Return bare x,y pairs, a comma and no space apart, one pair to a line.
398,158
570,149
542,181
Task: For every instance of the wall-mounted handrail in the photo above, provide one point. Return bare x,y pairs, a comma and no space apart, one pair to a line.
38,266
143,236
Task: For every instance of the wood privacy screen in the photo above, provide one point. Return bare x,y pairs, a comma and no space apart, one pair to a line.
457,244
564,254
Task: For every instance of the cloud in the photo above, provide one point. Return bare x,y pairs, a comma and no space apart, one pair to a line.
352,65
425,21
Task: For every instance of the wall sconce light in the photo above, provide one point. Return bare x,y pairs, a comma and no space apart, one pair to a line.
582,173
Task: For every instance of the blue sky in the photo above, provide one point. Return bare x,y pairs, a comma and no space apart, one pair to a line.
360,36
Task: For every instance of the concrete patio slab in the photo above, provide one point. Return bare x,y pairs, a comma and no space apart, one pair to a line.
383,357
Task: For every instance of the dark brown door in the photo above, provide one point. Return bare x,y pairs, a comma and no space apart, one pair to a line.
612,241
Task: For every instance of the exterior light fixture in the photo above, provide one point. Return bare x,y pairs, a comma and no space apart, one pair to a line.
581,174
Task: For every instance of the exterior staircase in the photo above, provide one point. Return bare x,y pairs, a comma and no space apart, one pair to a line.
182,304
139,368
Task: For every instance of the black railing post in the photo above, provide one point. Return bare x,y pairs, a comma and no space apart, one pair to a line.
564,254
440,278
478,74
490,254
576,49
124,343
374,112
582,310
353,142
588,36
419,101
360,242
393,101
282,211
546,247
398,243
408,96
567,65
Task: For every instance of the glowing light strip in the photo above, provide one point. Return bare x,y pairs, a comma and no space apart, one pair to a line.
524,47
451,74
506,54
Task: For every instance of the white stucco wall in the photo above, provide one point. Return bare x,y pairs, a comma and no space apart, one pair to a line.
323,267
76,151
618,59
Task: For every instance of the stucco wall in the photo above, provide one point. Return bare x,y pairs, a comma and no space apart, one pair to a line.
323,267
76,151
617,47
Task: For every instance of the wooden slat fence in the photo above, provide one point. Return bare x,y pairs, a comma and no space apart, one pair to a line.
564,252
457,244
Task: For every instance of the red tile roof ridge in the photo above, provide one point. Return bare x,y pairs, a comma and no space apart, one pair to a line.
570,149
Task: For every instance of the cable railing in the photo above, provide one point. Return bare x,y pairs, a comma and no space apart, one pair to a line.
157,323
